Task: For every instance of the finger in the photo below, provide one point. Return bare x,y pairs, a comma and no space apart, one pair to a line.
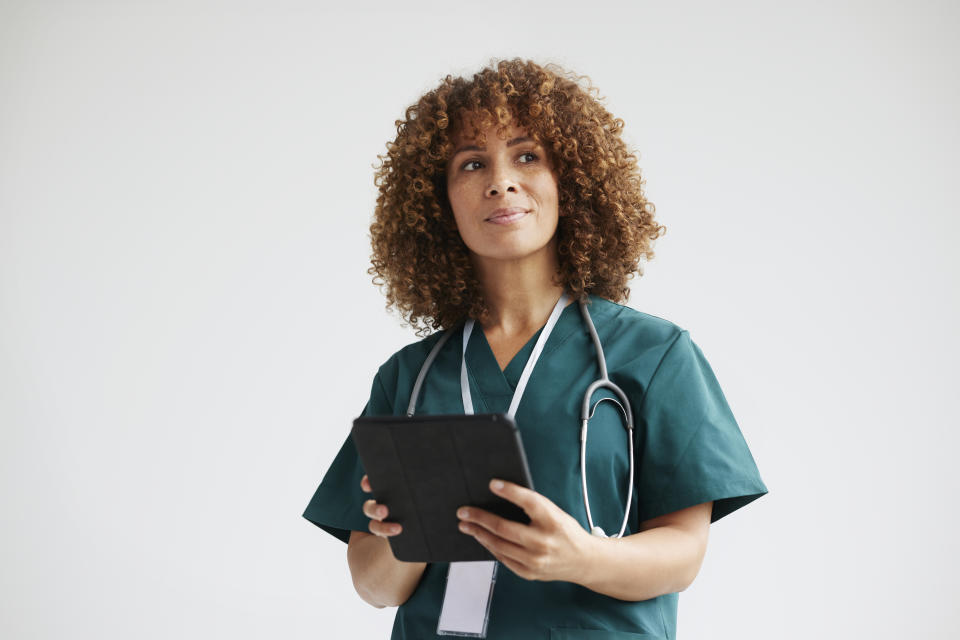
374,510
365,484
517,567
384,529
534,504
495,544
501,527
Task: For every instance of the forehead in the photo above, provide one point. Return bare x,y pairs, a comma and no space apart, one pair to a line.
470,129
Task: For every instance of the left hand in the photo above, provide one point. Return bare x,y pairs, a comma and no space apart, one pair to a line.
552,547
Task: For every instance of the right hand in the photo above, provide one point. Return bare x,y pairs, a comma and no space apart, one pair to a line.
377,512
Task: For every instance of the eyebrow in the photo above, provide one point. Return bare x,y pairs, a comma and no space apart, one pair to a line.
510,143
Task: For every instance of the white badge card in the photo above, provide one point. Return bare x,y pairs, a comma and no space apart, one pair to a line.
466,600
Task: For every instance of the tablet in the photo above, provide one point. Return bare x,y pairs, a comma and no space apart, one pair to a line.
425,467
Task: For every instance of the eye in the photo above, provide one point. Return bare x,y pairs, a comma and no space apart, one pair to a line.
469,165
528,157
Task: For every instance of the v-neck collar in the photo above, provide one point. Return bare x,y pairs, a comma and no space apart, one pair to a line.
496,384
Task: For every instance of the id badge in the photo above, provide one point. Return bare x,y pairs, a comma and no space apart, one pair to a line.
466,600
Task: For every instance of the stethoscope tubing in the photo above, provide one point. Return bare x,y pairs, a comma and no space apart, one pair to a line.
586,413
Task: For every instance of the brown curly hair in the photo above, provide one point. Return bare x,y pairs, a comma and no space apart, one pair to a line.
605,223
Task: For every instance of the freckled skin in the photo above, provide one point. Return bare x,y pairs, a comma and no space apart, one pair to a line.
507,172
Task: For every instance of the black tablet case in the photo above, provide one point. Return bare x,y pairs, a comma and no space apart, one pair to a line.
425,467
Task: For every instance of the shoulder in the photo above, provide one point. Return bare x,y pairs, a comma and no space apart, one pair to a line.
401,368
636,343
617,322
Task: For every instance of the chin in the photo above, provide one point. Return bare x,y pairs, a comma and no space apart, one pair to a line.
509,253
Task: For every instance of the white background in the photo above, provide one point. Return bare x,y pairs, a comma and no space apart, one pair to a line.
187,327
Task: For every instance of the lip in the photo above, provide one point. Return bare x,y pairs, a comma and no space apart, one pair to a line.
507,215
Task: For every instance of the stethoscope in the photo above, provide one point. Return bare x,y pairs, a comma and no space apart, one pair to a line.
586,412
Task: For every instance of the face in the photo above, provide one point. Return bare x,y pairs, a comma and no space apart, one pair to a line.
503,194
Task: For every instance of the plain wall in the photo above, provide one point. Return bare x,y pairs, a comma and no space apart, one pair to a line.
187,327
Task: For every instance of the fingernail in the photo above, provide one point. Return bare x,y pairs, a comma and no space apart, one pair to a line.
496,485
464,527
382,512
463,513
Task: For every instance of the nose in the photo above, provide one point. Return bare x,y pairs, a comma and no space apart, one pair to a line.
503,182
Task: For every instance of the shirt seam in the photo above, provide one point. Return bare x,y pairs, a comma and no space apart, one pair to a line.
480,393
383,391
646,392
680,458
663,621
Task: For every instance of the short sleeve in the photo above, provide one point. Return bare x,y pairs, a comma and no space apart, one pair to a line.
337,504
691,448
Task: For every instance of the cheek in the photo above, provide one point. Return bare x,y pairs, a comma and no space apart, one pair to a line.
458,207
458,196
550,197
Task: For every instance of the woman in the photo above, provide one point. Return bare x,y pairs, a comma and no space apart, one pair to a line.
500,194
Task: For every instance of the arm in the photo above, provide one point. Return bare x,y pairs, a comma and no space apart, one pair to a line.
663,558
379,578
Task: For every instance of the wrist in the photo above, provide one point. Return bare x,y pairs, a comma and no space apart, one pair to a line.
590,564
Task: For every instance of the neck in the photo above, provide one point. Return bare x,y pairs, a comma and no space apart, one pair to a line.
520,294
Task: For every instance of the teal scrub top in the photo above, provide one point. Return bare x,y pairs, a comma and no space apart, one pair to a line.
688,450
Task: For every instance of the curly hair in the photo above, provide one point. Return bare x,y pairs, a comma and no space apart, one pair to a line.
605,226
